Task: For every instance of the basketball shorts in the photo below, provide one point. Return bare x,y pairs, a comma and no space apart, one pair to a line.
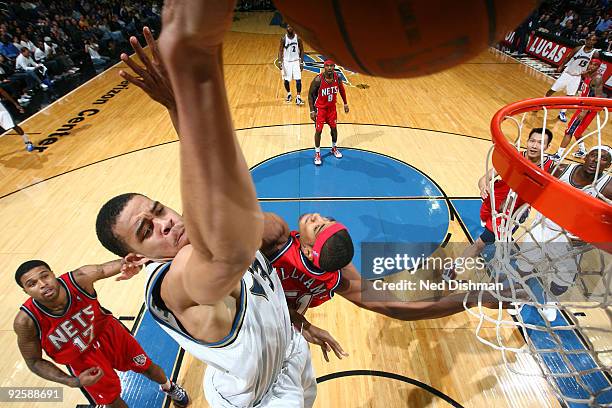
326,115
6,121
115,349
291,70
570,83
295,386
549,250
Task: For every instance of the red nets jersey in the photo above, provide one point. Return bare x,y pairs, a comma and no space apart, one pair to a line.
501,192
65,336
328,92
585,86
304,284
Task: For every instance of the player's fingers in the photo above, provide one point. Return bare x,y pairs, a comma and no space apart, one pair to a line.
138,70
136,81
140,52
325,356
152,45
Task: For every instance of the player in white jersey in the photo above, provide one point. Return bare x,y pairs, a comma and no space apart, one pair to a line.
547,240
7,123
291,59
213,292
575,64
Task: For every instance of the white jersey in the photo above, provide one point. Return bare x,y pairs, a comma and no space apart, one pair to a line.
245,363
292,49
579,62
593,189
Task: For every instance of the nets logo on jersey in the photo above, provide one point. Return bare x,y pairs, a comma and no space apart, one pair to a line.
314,64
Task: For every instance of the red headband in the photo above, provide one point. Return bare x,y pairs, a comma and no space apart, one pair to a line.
322,239
597,61
329,62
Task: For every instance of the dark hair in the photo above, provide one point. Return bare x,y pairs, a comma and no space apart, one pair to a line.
106,220
337,251
549,134
26,267
24,49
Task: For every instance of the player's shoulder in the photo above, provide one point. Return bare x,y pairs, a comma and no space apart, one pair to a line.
23,321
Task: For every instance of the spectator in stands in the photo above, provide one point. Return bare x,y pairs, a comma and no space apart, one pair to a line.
25,63
14,84
7,48
39,54
569,16
98,60
25,42
603,25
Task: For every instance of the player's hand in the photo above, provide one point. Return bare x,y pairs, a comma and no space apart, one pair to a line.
194,25
128,270
313,116
559,69
20,108
484,191
323,339
90,376
152,76
346,108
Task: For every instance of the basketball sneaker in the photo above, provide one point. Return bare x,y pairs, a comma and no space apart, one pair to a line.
562,117
288,98
580,153
299,101
555,157
337,154
177,394
29,147
317,159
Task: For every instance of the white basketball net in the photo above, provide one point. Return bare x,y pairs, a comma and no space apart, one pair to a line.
534,257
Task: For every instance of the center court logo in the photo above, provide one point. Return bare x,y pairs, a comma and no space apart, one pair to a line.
314,64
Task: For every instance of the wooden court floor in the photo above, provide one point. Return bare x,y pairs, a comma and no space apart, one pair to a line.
107,138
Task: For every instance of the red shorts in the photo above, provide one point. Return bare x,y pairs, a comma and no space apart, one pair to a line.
115,348
326,115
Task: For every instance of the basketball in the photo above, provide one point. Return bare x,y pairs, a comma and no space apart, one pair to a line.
403,38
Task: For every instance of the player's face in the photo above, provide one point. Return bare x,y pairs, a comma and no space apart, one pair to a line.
289,29
41,284
592,68
590,161
151,229
591,41
310,226
534,145
329,69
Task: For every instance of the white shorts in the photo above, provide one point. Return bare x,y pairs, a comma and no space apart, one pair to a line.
548,250
295,386
570,83
291,70
6,121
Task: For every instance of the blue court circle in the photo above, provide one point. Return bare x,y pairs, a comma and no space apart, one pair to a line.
379,198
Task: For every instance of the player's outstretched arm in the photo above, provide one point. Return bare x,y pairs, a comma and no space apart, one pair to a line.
222,216
354,289
316,335
29,346
88,274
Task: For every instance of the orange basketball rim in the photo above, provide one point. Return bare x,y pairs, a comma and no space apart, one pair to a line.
581,214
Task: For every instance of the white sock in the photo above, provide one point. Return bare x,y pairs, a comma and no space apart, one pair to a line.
333,144
561,151
582,146
25,138
166,386
318,149
563,110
